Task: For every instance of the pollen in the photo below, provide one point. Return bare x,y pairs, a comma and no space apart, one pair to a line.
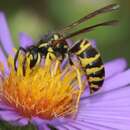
45,91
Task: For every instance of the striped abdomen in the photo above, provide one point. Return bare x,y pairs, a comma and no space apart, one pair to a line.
91,62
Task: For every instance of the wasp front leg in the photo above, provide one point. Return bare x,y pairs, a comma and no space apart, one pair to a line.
91,63
16,56
50,56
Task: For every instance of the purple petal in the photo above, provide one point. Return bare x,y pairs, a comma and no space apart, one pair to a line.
103,125
37,121
9,116
70,42
83,126
21,122
64,63
3,60
114,67
40,123
55,122
43,127
108,110
93,125
43,124
5,36
93,43
117,81
75,126
5,107
86,93
25,40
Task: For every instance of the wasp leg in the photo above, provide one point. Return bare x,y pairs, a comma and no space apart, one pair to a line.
55,68
81,87
49,58
16,56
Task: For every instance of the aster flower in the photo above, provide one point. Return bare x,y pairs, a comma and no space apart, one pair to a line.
43,99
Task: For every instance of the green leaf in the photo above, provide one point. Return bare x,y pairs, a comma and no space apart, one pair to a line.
6,126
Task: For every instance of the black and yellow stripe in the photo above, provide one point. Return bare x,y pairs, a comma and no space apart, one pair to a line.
91,62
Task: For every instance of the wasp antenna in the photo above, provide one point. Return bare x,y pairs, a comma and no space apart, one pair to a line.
106,9
110,23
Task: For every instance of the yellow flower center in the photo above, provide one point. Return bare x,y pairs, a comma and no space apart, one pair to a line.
44,91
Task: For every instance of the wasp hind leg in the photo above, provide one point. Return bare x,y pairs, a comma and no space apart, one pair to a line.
16,56
81,87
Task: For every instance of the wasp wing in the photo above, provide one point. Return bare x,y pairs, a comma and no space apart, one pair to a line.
88,29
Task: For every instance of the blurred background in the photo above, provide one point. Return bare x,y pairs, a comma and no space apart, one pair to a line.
38,17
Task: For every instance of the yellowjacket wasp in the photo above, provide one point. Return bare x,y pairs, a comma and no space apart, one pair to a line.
55,46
